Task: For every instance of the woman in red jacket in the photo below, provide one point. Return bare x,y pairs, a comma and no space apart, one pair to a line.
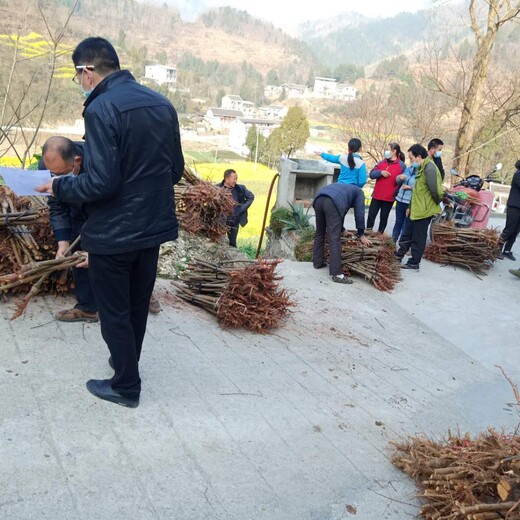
385,173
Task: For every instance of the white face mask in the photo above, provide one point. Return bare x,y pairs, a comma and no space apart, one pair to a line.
388,154
70,174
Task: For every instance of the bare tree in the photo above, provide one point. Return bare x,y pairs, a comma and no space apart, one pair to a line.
25,100
499,12
372,119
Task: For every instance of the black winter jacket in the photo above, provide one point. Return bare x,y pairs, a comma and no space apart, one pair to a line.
513,200
344,197
66,219
245,199
133,157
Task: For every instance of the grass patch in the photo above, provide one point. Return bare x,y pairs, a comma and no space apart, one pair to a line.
222,156
249,246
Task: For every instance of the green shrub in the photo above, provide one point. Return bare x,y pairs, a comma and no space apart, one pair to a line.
299,218
278,218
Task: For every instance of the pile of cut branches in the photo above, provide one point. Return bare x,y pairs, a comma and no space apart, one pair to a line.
241,294
39,272
375,263
25,238
465,478
202,208
473,248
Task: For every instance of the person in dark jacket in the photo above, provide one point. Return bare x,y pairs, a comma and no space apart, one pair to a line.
133,157
63,157
242,197
435,147
385,173
512,227
331,205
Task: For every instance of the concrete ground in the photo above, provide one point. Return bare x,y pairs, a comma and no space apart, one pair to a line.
294,425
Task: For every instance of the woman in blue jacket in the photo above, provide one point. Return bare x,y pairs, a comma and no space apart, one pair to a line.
353,169
403,198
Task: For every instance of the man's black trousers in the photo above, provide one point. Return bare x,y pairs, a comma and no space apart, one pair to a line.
414,237
511,229
122,286
328,220
82,289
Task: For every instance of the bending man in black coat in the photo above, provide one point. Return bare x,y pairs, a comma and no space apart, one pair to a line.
64,157
331,205
133,157
242,197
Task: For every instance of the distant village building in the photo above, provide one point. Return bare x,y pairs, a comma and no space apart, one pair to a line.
248,107
231,102
272,91
293,90
161,74
240,127
234,102
221,118
273,112
329,88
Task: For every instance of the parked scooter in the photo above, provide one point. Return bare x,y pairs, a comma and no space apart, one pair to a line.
458,206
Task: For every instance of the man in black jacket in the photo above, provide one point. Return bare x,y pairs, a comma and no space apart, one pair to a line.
512,227
331,205
242,197
435,147
64,157
133,157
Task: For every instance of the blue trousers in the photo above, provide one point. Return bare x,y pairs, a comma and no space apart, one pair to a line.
401,220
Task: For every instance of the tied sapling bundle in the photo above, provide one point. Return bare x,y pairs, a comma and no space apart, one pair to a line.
473,248
241,294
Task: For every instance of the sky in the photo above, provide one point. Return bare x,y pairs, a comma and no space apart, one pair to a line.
288,14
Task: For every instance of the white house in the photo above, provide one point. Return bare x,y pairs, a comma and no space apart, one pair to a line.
239,128
273,112
293,90
329,88
324,87
161,74
345,92
220,118
231,102
272,91
248,107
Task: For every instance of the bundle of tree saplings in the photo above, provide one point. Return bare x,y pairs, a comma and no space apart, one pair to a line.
203,208
241,294
465,478
24,242
375,263
39,273
473,248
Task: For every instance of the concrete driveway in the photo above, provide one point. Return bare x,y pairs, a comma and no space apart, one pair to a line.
294,425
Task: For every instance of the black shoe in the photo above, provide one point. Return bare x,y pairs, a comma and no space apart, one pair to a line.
102,388
414,267
111,363
398,257
509,254
321,266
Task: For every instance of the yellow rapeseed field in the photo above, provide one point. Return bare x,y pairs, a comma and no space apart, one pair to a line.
258,182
